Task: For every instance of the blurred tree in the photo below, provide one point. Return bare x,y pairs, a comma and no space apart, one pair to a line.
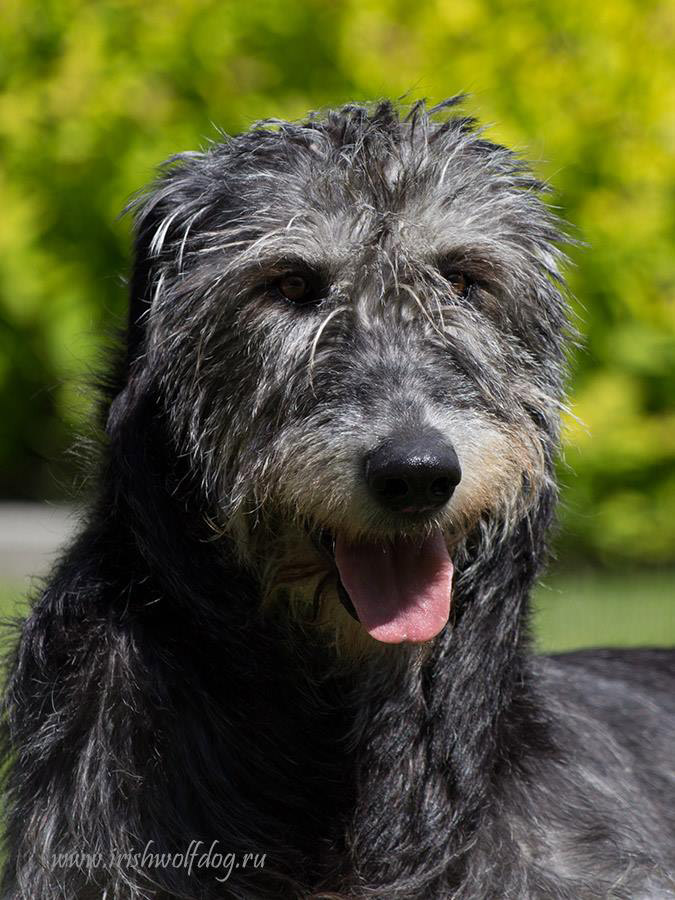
93,95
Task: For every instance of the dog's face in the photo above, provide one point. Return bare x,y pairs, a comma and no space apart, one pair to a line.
358,334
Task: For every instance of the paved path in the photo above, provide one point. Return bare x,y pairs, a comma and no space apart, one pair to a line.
30,537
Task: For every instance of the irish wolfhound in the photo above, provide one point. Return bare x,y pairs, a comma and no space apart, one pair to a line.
288,654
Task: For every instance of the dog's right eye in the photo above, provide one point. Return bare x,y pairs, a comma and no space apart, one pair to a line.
298,289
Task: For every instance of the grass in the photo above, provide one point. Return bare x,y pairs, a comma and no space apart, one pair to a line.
12,598
591,609
572,610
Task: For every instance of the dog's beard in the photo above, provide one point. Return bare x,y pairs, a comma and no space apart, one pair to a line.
335,559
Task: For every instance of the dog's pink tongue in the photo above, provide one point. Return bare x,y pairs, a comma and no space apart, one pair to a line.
401,591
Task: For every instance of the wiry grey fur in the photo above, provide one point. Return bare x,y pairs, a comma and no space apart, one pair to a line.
189,672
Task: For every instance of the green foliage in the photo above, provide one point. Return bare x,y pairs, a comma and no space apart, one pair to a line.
95,94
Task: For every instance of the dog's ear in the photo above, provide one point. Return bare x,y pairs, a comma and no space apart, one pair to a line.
143,276
156,220
141,283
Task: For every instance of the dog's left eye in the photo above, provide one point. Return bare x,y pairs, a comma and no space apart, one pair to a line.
461,284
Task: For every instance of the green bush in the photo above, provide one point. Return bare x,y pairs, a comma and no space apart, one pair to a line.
95,94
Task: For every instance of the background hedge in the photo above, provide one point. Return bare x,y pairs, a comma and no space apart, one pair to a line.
94,94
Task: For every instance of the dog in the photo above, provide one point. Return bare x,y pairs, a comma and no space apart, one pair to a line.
288,654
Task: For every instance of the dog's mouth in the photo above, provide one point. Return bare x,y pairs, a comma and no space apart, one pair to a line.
399,590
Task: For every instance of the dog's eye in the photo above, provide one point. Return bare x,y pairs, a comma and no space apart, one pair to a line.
461,284
297,288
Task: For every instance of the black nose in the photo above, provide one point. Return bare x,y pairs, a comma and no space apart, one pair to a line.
413,473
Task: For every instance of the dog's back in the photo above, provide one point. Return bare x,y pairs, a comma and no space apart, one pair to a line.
602,808
597,819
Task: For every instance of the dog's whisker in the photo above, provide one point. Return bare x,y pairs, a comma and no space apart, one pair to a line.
317,337
425,312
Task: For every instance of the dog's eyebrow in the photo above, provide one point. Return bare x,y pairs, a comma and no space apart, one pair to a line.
279,265
474,261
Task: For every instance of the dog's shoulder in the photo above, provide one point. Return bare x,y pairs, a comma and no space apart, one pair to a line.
643,669
622,696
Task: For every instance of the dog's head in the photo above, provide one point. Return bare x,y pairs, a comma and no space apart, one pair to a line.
356,328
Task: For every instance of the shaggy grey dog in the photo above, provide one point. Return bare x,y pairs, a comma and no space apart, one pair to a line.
295,622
